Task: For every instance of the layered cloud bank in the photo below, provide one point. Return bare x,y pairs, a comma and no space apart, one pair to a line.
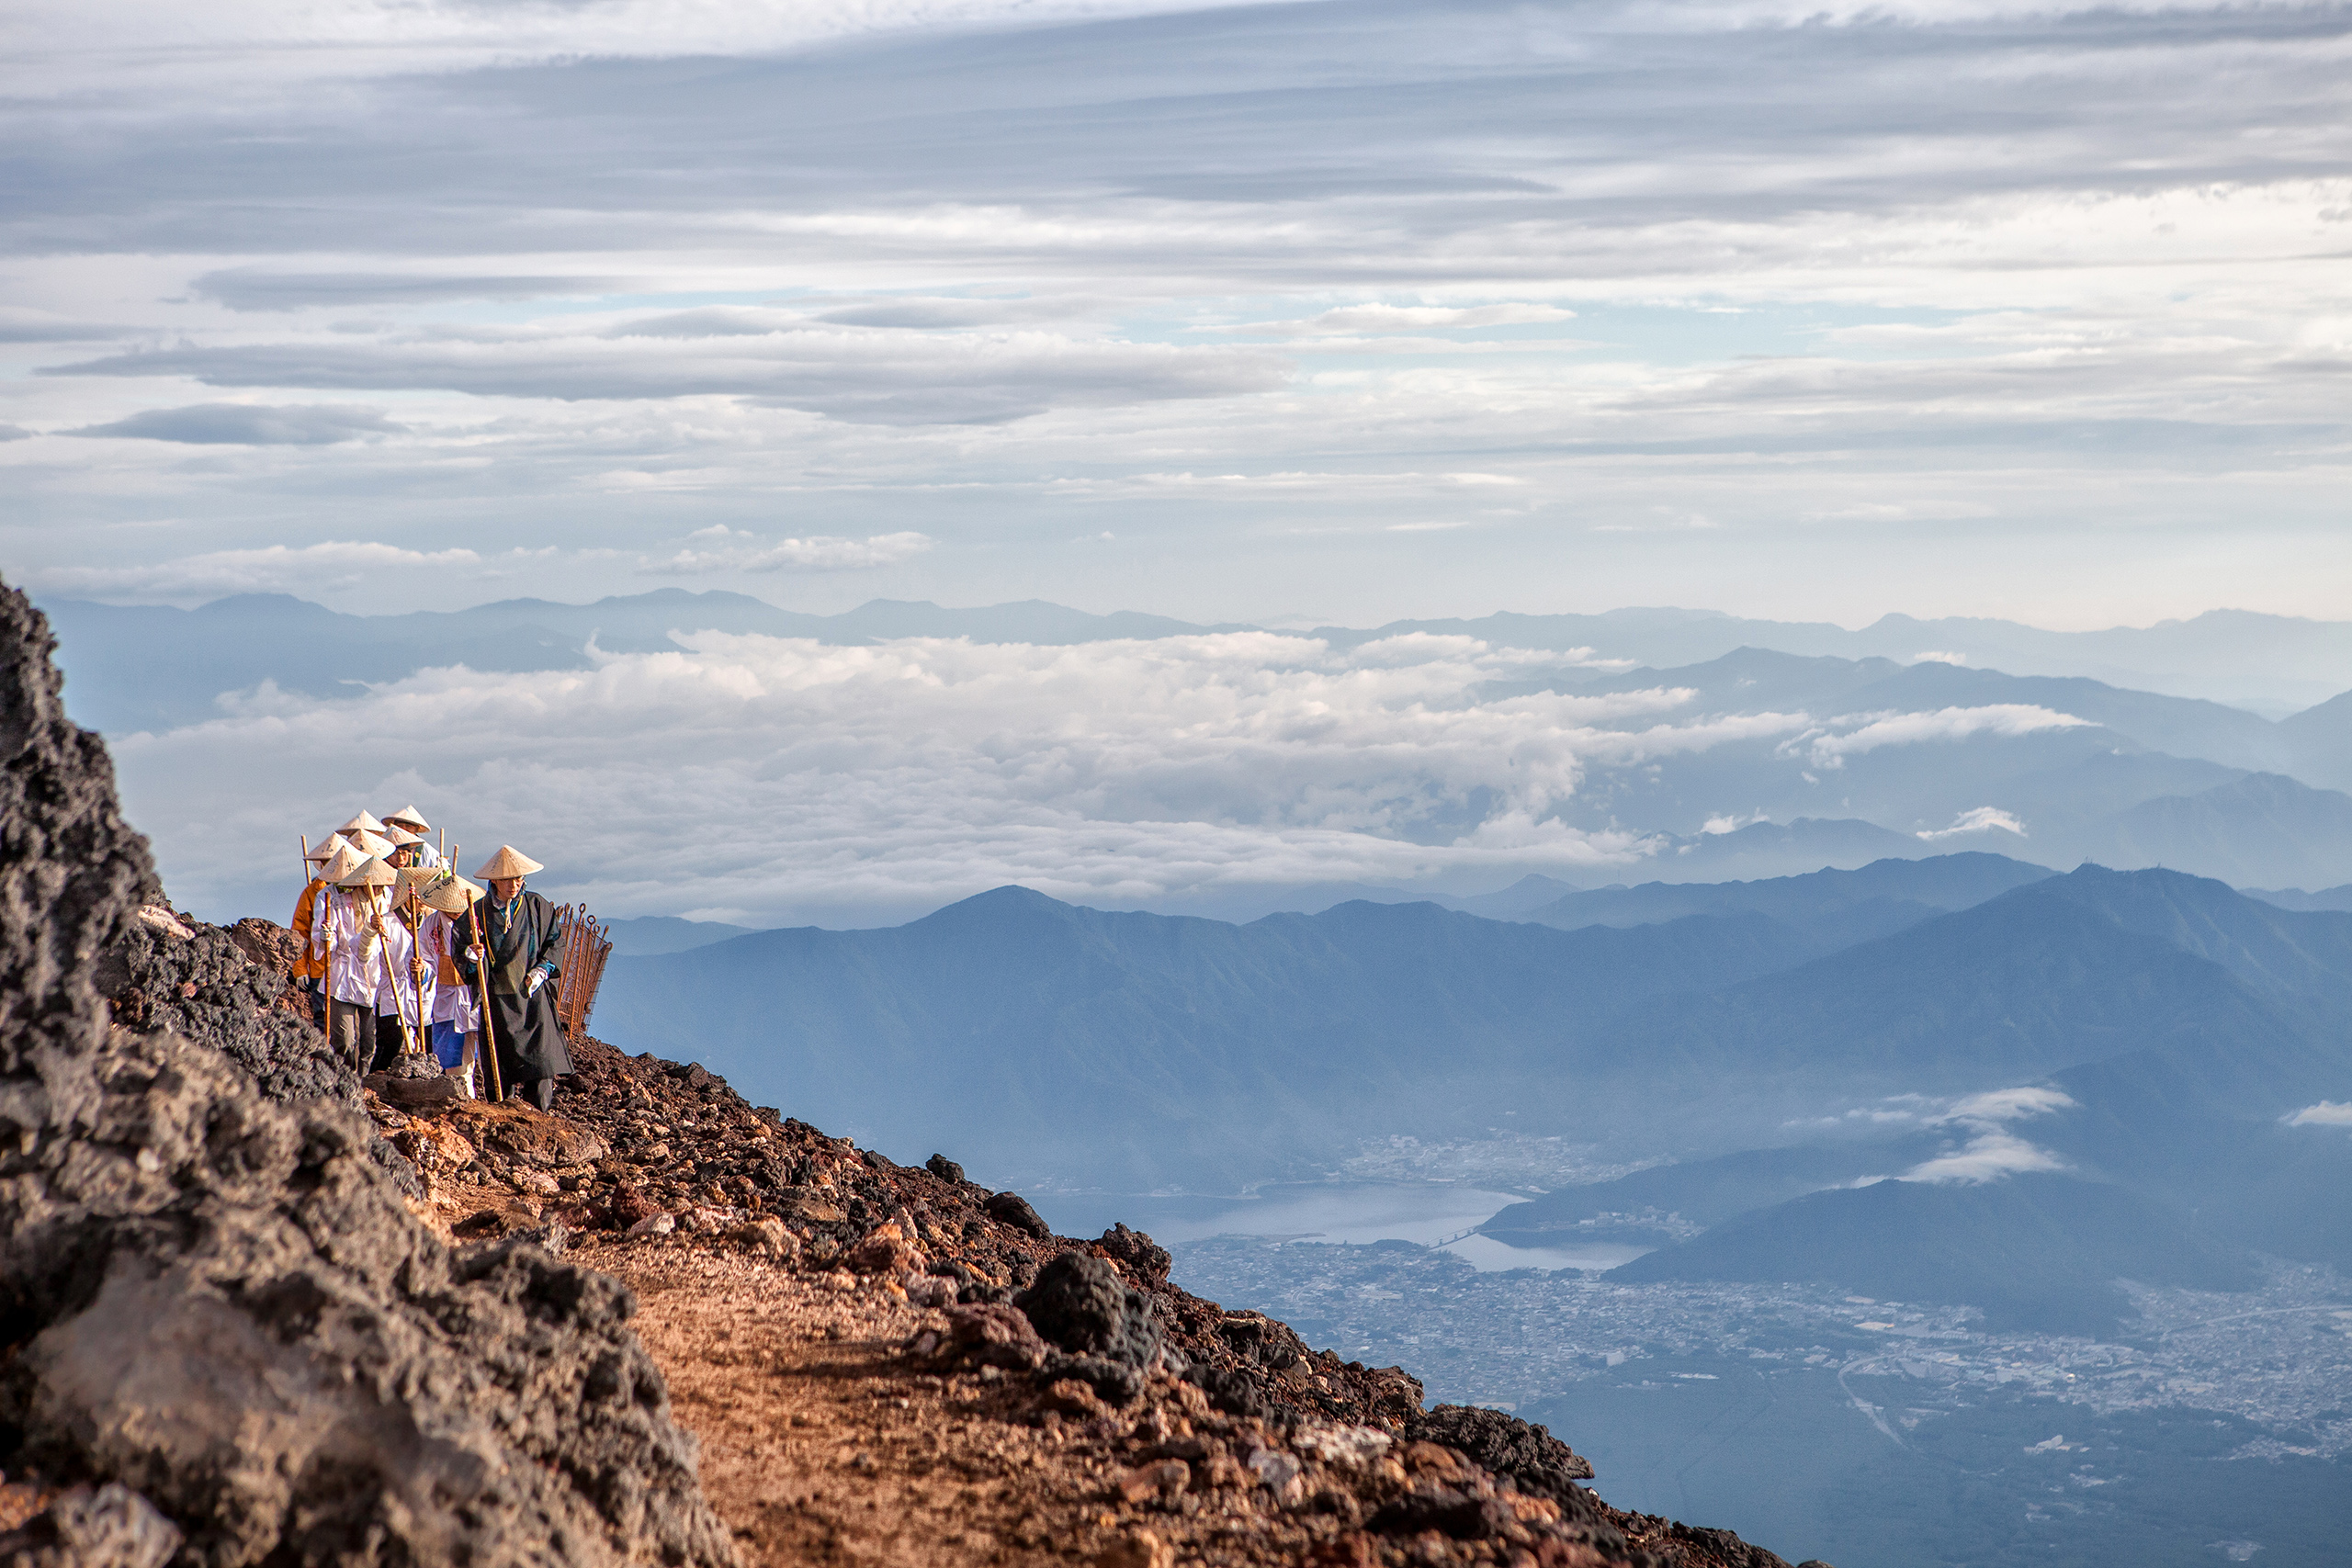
767,780
1341,311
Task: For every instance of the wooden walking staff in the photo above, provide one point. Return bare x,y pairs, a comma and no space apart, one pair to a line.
481,984
421,1044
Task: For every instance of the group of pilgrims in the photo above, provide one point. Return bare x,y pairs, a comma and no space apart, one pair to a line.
403,958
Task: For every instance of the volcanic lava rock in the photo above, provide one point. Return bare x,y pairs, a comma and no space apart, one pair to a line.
1539,1463
1448,1512
218,1309
1141,1256
205,987
1079,1303
1013,1208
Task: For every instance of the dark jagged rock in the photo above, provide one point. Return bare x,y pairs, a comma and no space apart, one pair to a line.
1455,1514
1141,1256
204,986
945,1168
1527,1453
1726,1547
1114,1382
1081,1304
1013,1208
218,1309
1229,1390
228,989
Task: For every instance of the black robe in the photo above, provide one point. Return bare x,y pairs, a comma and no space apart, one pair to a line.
530,1042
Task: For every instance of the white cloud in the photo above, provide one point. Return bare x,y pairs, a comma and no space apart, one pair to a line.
819,552
2008,1105
856,374
1992,1151
1988,1157
2005,719
1938,656
780,777
272,569
2326,1113
1981,820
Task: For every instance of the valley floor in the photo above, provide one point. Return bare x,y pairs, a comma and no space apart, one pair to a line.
1900,1435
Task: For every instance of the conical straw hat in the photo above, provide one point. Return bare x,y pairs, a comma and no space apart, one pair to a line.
346,861
371,872
324,851
451,895
363,823
371,843
400,838
416,878
508,862
410,818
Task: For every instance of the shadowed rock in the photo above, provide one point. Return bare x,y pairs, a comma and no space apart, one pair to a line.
1079,1303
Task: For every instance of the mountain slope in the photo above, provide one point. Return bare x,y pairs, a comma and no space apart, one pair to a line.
2038,1251
2264,829
2006,992
1701,1192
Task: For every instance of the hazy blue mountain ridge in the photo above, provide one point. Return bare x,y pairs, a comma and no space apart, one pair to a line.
1134,1047
2034,1251
1889,890
1056,1042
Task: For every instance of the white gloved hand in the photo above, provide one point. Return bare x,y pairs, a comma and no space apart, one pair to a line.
473,955
539,978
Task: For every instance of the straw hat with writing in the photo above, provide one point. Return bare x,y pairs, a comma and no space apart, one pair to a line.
369,842
370,872
326,848
451,895
346,861
400,838
363,823
410,818
508,862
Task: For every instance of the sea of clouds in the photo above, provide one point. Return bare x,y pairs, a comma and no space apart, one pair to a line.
768,781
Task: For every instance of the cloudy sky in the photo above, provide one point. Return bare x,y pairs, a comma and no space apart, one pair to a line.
1338,310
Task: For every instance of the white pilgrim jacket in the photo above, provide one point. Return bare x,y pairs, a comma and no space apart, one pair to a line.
368,952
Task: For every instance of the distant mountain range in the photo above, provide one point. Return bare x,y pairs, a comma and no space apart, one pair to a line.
2133,1041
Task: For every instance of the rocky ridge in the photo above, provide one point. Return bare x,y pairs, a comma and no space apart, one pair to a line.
225,1339
1146,1414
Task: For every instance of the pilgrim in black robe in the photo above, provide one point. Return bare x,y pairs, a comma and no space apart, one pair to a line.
521,937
